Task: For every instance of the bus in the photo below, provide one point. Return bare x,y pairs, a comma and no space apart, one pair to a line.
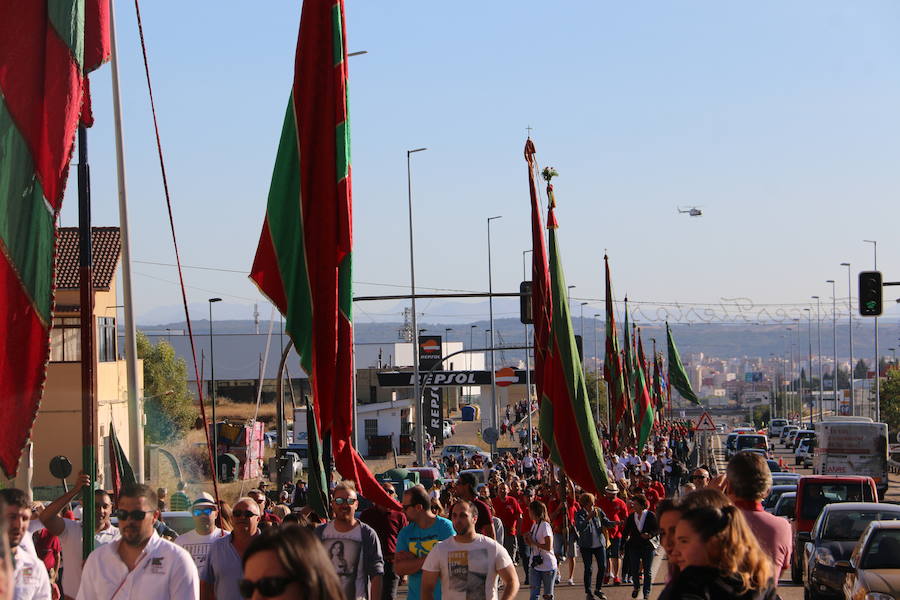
852,446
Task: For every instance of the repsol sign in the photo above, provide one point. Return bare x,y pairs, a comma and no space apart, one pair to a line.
440,378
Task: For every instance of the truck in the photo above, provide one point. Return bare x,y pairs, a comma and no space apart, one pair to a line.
852,446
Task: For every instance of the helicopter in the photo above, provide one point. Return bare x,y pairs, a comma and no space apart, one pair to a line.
693,211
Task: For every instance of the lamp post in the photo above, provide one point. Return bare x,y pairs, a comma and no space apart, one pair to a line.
582,333
212,377
819,351
834,370
569,297
597,371
491,315
877,358
417,392
850,328
809,342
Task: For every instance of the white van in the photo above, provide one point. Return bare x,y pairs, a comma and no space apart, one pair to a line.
775,427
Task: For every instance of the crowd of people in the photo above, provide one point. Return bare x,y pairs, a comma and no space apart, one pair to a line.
492,528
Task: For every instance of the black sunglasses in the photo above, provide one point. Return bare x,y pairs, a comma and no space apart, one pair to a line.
267,586
134,515
243,513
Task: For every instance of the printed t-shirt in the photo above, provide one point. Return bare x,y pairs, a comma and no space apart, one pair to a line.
198,545
468,570
420,542
344,550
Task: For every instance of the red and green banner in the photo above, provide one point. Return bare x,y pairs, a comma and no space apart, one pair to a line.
540,289
658,385
303,261
568,420
46,50
646,418
614,373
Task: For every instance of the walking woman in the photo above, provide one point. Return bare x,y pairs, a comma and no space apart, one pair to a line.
641,530
719,558
542,571
589,524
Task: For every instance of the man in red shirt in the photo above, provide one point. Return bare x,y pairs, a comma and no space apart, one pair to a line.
653,497
615,510
508,510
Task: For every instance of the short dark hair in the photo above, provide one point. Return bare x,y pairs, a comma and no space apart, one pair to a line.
15,497
468,479
748,476
640,499
139,490
418,497
665,505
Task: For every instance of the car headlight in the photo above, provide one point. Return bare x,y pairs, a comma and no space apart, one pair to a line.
824,557
878,596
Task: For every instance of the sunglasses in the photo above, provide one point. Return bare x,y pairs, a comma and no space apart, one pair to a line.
202,511
342,501
268,586
243,513
134,515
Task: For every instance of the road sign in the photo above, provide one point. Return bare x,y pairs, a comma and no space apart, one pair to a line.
705,423
490,435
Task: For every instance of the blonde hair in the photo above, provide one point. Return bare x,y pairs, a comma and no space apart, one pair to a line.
346,485
731,544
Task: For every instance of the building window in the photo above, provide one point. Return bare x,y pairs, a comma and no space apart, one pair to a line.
371,426
106,339
65,339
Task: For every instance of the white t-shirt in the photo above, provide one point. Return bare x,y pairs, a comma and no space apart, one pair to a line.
70,541
164,571
468,570
30,580
198,545
539,531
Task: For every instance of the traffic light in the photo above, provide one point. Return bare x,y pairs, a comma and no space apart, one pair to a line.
870,293
525,314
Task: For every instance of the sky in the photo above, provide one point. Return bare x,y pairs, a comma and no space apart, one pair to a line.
779,119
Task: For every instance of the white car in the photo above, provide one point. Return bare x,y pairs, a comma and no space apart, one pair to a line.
805,451
775,427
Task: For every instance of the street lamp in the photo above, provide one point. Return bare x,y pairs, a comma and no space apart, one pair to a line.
212,377
568,297
819,351
809,342
834,370
850,327
877,360
582,323
417,392
491,315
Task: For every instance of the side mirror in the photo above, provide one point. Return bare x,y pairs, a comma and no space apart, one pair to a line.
804,536
844,566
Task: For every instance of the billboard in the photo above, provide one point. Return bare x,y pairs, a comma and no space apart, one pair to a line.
430,350
753,376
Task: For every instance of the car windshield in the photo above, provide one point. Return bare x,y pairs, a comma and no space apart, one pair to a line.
848,525
751,441
817,496
786,505
883,551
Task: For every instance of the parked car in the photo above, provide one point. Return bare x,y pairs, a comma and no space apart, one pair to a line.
729,444
748,441
789,440
805,449
833,537
814,493
801,434
873,571
775,495
774,466
775,426
447,430
466,450
428,476
785,431
786,505
451,425
785,478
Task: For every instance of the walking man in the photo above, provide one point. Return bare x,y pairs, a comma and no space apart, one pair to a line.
205,532
224,567
417,539
387,524
30,580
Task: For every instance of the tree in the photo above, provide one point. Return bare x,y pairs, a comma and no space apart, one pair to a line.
591,382
861,370
167,404
890,400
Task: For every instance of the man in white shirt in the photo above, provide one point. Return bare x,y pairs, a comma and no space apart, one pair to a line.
140,565
70,532
468,563
30,580
205,532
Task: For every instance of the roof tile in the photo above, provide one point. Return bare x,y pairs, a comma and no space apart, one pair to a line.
105,246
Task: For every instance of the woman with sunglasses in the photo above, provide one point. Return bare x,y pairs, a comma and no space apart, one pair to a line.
288,564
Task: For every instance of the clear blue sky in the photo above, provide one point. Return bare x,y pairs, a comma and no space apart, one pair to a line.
781,119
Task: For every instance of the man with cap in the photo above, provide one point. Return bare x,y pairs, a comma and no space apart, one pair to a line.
615,509
205,532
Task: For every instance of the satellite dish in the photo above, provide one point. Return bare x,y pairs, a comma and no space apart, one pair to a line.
60,467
